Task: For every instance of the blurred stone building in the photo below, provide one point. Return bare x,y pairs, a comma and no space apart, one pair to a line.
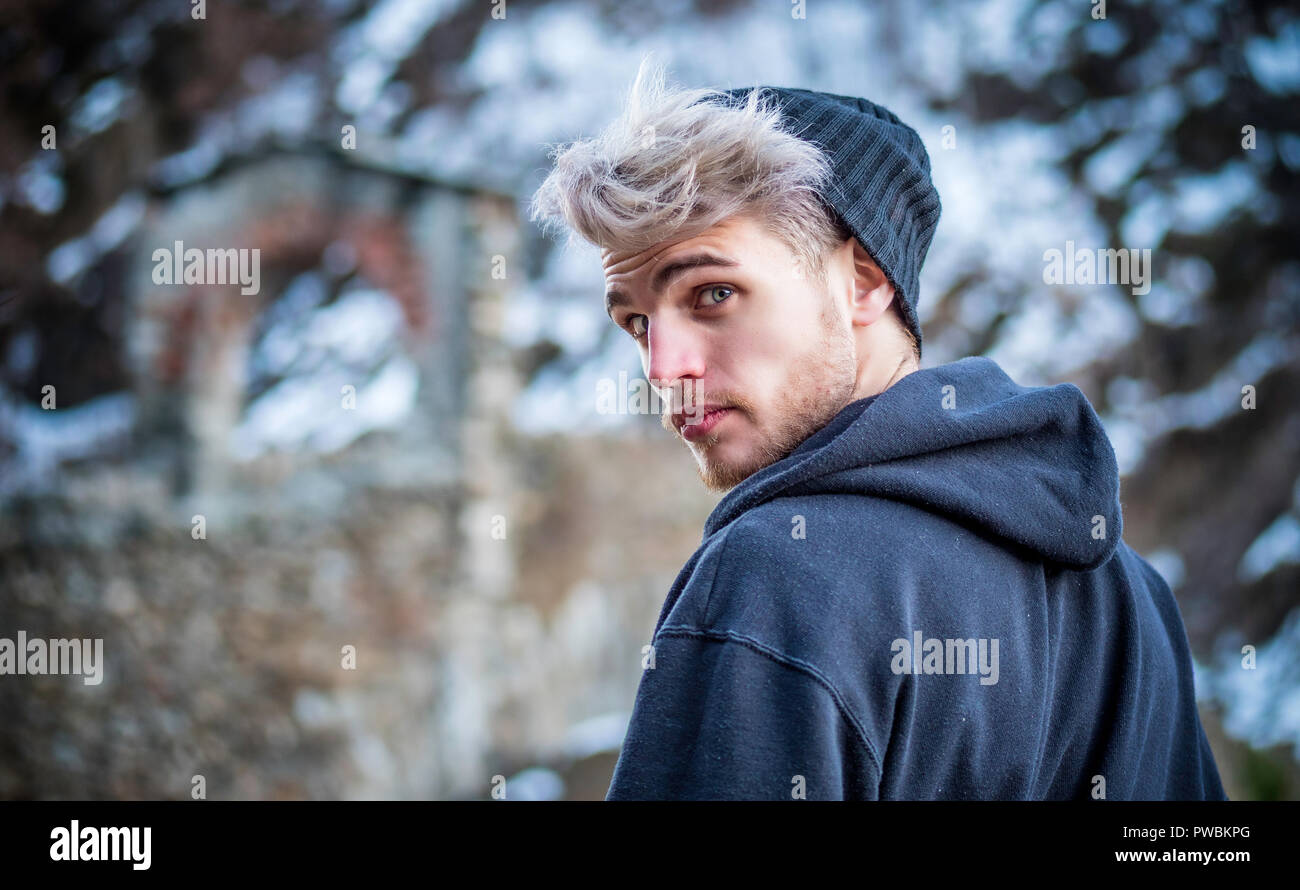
324,464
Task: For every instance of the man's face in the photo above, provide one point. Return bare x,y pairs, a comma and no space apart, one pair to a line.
761,355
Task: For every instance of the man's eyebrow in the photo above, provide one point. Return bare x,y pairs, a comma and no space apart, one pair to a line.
670,272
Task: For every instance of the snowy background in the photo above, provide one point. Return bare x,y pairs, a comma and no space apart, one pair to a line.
1127,131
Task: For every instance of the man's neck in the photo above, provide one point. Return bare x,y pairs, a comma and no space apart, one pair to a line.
873,380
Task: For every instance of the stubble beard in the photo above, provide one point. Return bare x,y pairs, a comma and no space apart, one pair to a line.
820,383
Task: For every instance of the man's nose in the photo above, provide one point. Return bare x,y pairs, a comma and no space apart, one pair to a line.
674,350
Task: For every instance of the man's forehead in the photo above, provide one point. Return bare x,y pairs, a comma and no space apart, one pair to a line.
623,260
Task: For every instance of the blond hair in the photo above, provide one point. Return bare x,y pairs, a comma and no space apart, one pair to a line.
678,161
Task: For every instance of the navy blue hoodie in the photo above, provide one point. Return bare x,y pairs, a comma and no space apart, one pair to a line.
929,598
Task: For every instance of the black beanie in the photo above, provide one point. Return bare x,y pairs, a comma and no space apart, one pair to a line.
880,186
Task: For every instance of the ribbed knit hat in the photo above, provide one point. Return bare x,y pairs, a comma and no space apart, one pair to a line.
881,184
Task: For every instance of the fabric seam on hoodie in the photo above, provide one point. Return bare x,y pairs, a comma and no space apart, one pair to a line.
724,636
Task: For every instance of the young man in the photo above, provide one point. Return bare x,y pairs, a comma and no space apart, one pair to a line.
915,586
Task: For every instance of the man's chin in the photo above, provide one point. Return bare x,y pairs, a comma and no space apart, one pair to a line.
720,473
727,457
721,478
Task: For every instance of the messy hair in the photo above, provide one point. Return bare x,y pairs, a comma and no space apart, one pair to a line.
679,161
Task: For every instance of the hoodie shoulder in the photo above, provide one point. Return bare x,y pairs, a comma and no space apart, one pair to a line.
1029,466
796,572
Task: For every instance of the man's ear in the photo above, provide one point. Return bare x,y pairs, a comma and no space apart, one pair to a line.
872,292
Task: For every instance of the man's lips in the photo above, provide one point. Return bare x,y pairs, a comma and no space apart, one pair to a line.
701,420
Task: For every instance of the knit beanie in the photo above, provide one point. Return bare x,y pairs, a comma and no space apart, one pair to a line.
880,185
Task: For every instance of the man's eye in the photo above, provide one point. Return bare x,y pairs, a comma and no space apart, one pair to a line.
708,294
636,326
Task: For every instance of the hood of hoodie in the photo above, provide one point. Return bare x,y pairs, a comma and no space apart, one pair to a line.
1029,466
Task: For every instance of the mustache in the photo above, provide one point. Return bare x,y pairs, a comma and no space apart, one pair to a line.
689,403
